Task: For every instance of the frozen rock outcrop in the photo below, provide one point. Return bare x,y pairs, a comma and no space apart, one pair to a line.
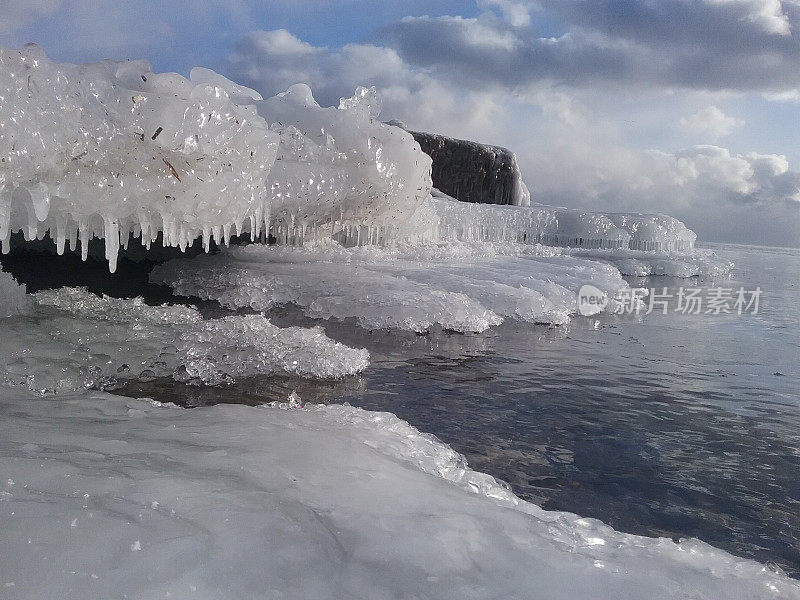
473,172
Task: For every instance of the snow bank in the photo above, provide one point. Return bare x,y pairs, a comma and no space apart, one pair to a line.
459,286
73,340
109,497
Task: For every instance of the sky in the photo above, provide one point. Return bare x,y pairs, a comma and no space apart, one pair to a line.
684,107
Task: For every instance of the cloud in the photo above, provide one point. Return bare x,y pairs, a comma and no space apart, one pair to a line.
18,13
709,122
697,44
271,61
517,13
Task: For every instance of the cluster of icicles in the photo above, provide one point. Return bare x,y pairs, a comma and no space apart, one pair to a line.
112,150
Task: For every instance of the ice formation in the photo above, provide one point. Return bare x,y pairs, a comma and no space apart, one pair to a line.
443,219
13,300
109,497
460,286
338,170
233,501
73,340
112,149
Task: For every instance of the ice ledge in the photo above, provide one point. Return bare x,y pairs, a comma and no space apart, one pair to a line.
323,502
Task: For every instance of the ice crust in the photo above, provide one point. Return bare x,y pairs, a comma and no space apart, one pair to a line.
339,169
460,286
637,263
109,497
73,340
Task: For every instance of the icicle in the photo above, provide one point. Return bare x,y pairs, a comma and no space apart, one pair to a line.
40,199
111,237
252,228
183,239
259,221
33,225
83,233
60,234
5,215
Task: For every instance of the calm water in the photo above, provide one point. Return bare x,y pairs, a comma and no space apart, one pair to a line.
668,425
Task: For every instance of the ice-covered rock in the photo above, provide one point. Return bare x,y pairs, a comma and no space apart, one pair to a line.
112,149
459,286
473,172
105,497
339,168
72,340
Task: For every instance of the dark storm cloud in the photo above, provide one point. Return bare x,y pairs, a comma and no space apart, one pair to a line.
747,45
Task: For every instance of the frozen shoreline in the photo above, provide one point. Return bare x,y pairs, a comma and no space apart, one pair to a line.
107,496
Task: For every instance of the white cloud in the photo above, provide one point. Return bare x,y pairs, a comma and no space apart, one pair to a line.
516,12
766,14
710,122
271,61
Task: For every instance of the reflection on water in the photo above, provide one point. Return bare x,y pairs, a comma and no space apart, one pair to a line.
668,425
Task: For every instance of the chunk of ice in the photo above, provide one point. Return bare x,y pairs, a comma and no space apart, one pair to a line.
112,150
74,340
13,300
461,286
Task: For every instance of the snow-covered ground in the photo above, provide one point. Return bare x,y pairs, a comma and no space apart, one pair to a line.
107,497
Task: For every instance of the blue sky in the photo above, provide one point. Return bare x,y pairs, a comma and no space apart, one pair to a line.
688,107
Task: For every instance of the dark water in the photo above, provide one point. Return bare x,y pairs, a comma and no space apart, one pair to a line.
674,425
